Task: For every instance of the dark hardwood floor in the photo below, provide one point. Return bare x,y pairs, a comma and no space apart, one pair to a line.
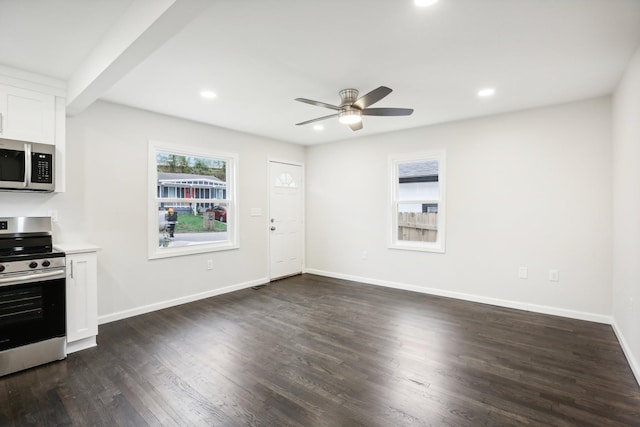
313,351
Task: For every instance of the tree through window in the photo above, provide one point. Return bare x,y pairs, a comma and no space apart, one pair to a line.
193,201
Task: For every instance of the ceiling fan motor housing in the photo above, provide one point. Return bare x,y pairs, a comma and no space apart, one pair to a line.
348,97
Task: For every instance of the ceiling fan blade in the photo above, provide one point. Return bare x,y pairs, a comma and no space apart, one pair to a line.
372,97
356,126
387,111
318,103
318,119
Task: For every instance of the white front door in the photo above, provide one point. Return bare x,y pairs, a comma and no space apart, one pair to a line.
285,219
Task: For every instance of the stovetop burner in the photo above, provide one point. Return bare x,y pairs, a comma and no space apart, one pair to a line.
24,241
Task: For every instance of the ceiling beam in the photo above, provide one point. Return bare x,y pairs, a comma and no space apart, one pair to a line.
145,26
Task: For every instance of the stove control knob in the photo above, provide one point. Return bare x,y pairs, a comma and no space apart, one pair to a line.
33,264
1,268
46,263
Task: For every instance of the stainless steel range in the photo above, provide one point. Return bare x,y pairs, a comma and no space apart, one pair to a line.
32,295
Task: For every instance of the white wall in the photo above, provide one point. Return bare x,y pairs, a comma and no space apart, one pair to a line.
106,205
529,189
626,218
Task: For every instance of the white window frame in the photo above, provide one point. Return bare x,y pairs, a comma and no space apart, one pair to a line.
394,201
232,242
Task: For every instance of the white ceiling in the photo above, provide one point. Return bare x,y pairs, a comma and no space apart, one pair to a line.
258,55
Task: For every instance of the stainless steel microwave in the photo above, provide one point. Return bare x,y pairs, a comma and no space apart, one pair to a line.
26,166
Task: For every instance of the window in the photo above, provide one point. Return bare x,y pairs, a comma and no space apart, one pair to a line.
192,200
417,201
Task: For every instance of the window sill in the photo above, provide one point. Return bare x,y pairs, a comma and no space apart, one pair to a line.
197,248
418,246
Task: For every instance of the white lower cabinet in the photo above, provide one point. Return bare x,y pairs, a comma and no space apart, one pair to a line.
82,296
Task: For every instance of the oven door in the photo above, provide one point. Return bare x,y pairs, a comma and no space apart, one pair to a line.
13,165
31,312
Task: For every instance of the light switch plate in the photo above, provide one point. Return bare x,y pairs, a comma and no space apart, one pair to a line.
523,272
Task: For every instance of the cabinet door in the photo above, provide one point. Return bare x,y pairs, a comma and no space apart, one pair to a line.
27,115
82,296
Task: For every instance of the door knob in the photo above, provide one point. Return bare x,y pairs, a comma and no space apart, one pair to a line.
273,228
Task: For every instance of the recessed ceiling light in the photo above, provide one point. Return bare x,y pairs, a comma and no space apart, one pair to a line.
208,94
425,3
486,92
318,127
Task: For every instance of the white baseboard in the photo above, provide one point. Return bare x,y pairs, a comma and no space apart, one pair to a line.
178,301
573,314
633,361
82,344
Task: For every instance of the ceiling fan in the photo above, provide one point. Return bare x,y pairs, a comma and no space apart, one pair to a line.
352,108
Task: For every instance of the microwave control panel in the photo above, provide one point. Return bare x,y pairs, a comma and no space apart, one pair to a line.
41,168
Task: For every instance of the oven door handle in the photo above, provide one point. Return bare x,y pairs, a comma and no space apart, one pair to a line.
34,277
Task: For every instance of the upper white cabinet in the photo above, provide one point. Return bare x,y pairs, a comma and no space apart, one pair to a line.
27,115
32,108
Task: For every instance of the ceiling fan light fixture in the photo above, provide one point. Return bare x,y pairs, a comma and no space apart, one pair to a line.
349,117
352,108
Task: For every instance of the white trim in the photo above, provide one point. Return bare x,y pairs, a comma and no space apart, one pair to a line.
82,344
32,81
286,162
302,207
543,309
60,140
233,201
178,301
193,249
393,160
626,349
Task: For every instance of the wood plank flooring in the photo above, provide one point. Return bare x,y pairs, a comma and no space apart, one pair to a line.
313,351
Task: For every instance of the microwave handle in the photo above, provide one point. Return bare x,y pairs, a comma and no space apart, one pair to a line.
27,160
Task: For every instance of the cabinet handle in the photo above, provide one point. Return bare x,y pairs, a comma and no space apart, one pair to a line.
72,269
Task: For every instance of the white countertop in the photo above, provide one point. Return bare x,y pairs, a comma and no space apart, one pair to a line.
76,248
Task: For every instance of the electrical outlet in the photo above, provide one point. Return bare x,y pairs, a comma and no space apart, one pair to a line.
364,255
54,215
209,264
554,275
523,272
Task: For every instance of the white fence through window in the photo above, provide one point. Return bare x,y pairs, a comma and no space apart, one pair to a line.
418,226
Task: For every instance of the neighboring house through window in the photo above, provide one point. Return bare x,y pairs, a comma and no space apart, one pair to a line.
192,200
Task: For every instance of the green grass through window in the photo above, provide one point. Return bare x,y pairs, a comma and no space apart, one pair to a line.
188,223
